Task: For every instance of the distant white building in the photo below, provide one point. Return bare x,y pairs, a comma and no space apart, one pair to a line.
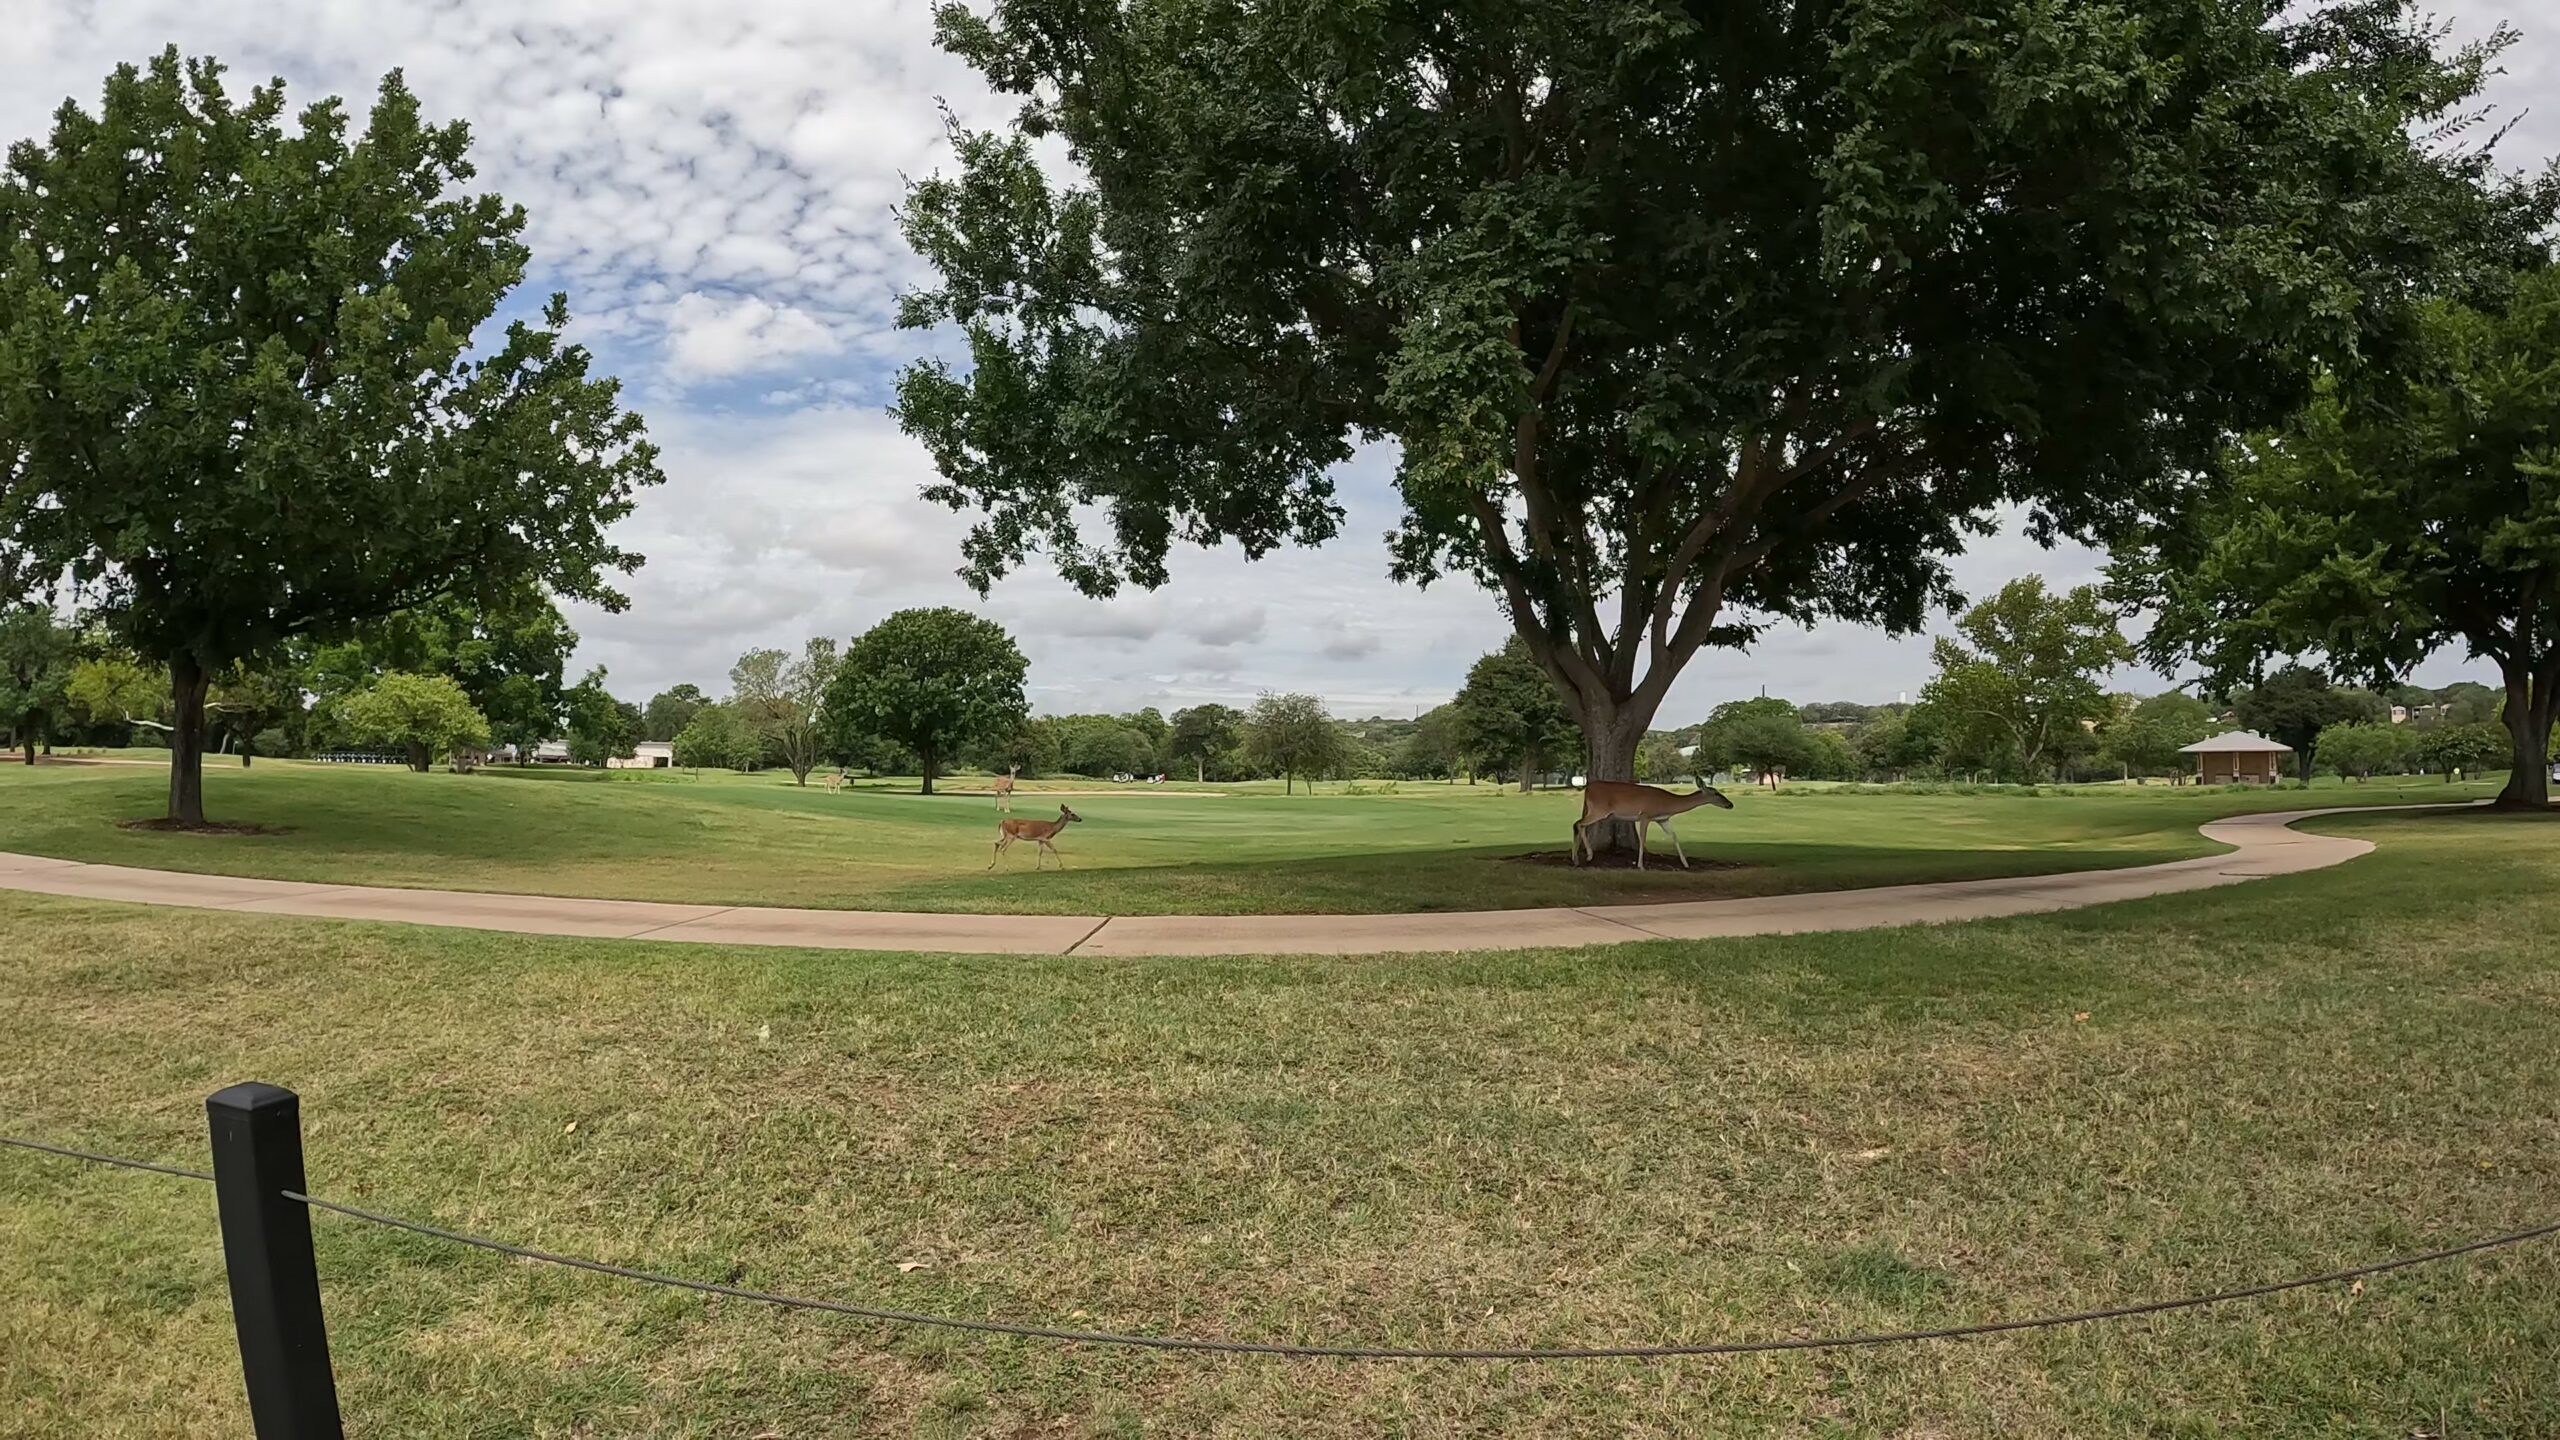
647,755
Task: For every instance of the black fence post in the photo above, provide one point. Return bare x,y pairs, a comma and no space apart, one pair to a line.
266,1247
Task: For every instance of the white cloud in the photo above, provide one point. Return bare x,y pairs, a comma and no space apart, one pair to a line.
707,339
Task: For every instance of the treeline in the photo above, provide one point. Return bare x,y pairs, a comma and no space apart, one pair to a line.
422,683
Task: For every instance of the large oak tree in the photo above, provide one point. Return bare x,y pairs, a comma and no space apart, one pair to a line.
248,389
2379,529
1682,318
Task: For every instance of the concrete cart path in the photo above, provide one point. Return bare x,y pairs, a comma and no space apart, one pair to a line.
2261,845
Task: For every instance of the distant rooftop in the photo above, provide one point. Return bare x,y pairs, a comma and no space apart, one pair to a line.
2237,742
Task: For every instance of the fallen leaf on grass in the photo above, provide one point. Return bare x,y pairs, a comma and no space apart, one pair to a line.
906,1267
569,1129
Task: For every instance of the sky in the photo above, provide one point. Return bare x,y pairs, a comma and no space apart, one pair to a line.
713,185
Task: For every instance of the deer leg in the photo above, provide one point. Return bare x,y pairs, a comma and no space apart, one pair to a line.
1001,842
1675,843
1578,838
1053,854
1644,840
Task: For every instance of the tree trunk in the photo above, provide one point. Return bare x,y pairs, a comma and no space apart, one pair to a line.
2529,715
188,683
1527,758
1613,757
925,754
29,739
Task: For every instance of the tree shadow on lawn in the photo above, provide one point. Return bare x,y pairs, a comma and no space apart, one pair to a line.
1492,878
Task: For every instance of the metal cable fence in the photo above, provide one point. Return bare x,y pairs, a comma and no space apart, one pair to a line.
266,1233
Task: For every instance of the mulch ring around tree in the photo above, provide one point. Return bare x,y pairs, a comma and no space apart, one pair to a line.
210,827
1659,860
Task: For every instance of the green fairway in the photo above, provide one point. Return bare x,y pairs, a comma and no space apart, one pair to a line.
758,839
1649,1142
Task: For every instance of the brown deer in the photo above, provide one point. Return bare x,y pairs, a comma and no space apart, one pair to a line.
835,782
1004,787
1040,832
1646,805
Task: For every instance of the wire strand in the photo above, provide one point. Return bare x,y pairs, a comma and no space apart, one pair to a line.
94,1158
1333,1352
1369,1352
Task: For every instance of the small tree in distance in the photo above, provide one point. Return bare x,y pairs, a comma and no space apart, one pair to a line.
2149,736
36,659
1763,736
2358,748
1292,735
2465,749
116,688
713,738
932,680
671,710
250,698
1510,712
601,728
782,697
2295,704
422,716
2028,677
1204,733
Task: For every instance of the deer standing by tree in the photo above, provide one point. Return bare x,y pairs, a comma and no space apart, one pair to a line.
1040,832
1646,805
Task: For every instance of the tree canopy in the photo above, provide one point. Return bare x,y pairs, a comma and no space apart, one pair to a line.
2378,529
1510,714
1204,733
37,654
2295,704
932,680
2027,679
1292,736
601,728
245,393
2149,736
1762,735
671,710
423,716
780,697
714,736
1681,321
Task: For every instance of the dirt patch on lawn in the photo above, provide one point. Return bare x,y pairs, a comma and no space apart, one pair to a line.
1653,862
164,825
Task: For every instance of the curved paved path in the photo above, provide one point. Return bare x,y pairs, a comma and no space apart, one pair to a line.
2261,845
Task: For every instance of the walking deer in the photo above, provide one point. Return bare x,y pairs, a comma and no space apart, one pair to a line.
1647,805
1040,832
1004,787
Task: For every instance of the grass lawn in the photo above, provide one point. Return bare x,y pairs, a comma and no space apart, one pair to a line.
733,839
1646,1142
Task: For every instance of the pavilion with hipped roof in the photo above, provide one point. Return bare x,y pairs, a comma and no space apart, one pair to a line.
2241,757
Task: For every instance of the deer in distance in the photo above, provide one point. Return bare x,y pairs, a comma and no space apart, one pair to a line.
1004,787
1040,832
1647,805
